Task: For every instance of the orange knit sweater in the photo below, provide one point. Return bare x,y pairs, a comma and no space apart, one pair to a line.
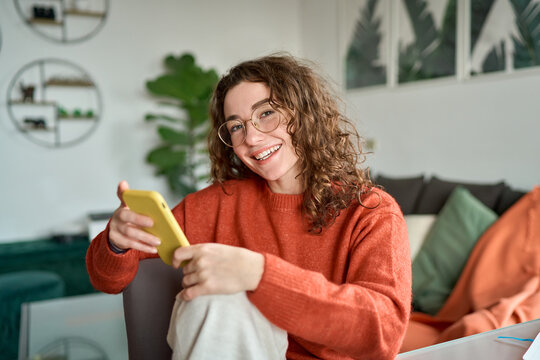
343,294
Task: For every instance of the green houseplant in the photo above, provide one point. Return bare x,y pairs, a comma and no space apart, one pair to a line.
187,87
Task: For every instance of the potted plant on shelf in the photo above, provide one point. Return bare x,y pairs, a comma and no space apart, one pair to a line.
187,87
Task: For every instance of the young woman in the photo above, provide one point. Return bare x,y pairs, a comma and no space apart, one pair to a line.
313,258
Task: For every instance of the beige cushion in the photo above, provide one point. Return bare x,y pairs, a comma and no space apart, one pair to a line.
418,227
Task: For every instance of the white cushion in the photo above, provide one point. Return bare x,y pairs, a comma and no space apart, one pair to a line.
418,227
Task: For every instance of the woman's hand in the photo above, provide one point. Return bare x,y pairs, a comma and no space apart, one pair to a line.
218,269
125,227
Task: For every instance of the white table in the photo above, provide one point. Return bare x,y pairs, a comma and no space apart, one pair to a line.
487,345
77,327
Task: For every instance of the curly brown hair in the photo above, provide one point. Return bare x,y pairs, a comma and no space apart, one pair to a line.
326,142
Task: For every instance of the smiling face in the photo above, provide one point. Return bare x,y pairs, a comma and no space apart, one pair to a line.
269,155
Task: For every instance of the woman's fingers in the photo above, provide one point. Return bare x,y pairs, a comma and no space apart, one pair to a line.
125,242
181,256
218,269
126,231
136,234
192,292
125,215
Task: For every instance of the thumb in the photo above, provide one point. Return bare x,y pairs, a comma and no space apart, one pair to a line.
182,255
122,186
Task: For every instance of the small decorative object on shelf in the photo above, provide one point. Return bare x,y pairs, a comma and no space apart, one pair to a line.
27,92
34,97
65,21
44,12
61,112
36,123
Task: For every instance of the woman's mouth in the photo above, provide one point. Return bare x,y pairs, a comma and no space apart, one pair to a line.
263,155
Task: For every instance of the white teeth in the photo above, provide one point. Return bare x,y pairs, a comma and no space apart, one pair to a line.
266,154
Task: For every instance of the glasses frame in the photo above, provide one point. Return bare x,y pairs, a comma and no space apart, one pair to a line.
244,123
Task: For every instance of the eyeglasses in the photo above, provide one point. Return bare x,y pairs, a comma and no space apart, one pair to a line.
264,118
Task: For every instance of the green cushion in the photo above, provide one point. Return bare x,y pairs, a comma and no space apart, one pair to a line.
438,264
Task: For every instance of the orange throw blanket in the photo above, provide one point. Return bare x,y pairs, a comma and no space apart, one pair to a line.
499,286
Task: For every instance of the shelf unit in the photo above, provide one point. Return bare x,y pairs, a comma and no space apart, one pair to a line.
43,112
64,9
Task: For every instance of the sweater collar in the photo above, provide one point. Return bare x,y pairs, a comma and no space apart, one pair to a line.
282,202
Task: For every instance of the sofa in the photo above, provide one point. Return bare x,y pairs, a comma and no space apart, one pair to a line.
476,255
421,201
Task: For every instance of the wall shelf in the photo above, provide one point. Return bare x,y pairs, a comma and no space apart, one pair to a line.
45,22
77,118
77,12
32,103
44,107
29,129
65,21
69,82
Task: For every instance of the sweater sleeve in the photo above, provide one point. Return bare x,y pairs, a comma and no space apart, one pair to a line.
110,272
364,317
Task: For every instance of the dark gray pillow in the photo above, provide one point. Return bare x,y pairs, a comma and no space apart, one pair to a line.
437,191
404,190
507,199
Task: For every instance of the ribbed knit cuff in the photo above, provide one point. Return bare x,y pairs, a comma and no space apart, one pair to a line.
115,248
125,261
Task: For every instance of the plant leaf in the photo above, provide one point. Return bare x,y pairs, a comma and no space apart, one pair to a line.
527,45
204,177
198,114
179,64
363,53
171,85
153,117
172,136
432,54
479,12
495,60
165,157
201,137
188,87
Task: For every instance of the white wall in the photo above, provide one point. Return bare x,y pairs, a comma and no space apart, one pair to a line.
52,190
485,129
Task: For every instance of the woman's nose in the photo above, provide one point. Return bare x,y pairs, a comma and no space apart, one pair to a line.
252,134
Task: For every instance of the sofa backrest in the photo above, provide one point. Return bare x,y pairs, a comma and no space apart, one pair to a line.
418,195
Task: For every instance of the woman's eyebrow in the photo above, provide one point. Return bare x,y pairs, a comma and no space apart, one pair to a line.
253,107
259,103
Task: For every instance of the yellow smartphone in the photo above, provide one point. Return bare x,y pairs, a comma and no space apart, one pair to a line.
166,228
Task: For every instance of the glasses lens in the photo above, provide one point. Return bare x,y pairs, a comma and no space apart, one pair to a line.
232,132
266,118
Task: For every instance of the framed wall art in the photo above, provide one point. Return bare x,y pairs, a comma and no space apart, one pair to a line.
394,42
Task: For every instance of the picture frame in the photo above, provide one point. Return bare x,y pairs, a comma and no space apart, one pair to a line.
390,43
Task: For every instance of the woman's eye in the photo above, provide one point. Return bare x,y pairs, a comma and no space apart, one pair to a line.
266,113
235,127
